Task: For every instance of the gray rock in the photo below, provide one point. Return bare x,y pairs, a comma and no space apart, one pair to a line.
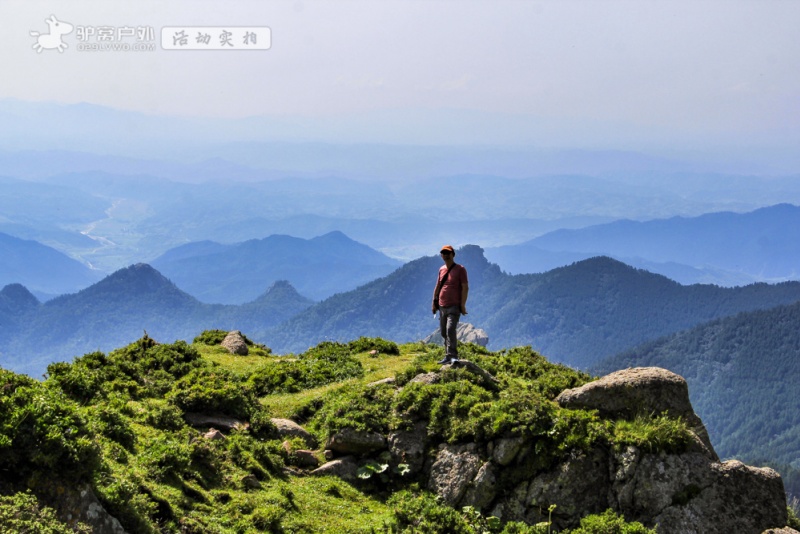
345,468
506,449
82,505
739,499
465,333
483,489
350,441
235,343
408,446
687,493
577,487
455,468
387,380
286,428
648,390
217,420
213,434
427,378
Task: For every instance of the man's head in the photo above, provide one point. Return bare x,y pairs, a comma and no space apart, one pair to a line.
447,252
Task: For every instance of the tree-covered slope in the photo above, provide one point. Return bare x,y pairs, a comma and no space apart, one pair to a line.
576,314
743,373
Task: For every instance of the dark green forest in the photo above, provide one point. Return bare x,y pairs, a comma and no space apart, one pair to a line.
743,373
576,315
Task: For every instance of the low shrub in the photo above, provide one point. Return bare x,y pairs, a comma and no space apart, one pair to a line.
425,513
324,364
211,390
445,405
41,429
165,457
610,523
366,344
361,407
22,512
210,337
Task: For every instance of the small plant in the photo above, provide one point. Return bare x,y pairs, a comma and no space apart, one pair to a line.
381,468
653,433
610,523
792,511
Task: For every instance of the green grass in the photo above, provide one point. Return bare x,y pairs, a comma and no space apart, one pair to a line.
157,474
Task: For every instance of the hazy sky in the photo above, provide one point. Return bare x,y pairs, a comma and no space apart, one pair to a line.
602,73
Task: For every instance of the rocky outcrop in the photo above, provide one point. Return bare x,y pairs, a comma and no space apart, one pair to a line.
466,333
640,390
75,505
684,492
235,343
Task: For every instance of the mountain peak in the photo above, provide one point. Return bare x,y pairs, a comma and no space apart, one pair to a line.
139,278
18,296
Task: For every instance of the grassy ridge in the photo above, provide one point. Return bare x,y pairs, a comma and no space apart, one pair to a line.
118,422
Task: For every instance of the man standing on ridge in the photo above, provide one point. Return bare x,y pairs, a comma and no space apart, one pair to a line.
450,298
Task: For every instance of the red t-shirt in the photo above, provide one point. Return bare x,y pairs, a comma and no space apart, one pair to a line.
450,294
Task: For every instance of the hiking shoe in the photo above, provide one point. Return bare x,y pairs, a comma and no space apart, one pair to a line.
444,361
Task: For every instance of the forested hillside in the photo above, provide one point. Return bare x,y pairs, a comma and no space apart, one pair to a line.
743,373
576,314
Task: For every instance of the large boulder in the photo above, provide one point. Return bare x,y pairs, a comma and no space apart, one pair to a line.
639,390
686,493
235,343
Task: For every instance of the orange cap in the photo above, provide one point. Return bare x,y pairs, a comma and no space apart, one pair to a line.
449,249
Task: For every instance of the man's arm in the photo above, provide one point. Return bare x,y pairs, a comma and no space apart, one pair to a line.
464,295
434,304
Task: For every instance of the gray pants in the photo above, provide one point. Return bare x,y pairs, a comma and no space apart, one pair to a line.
448,323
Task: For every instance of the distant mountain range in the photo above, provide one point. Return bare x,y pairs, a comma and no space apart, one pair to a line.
119,309
578,314
113,210
238,273
41,269
723,248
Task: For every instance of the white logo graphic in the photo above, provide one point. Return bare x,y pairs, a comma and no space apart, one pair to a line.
52,40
